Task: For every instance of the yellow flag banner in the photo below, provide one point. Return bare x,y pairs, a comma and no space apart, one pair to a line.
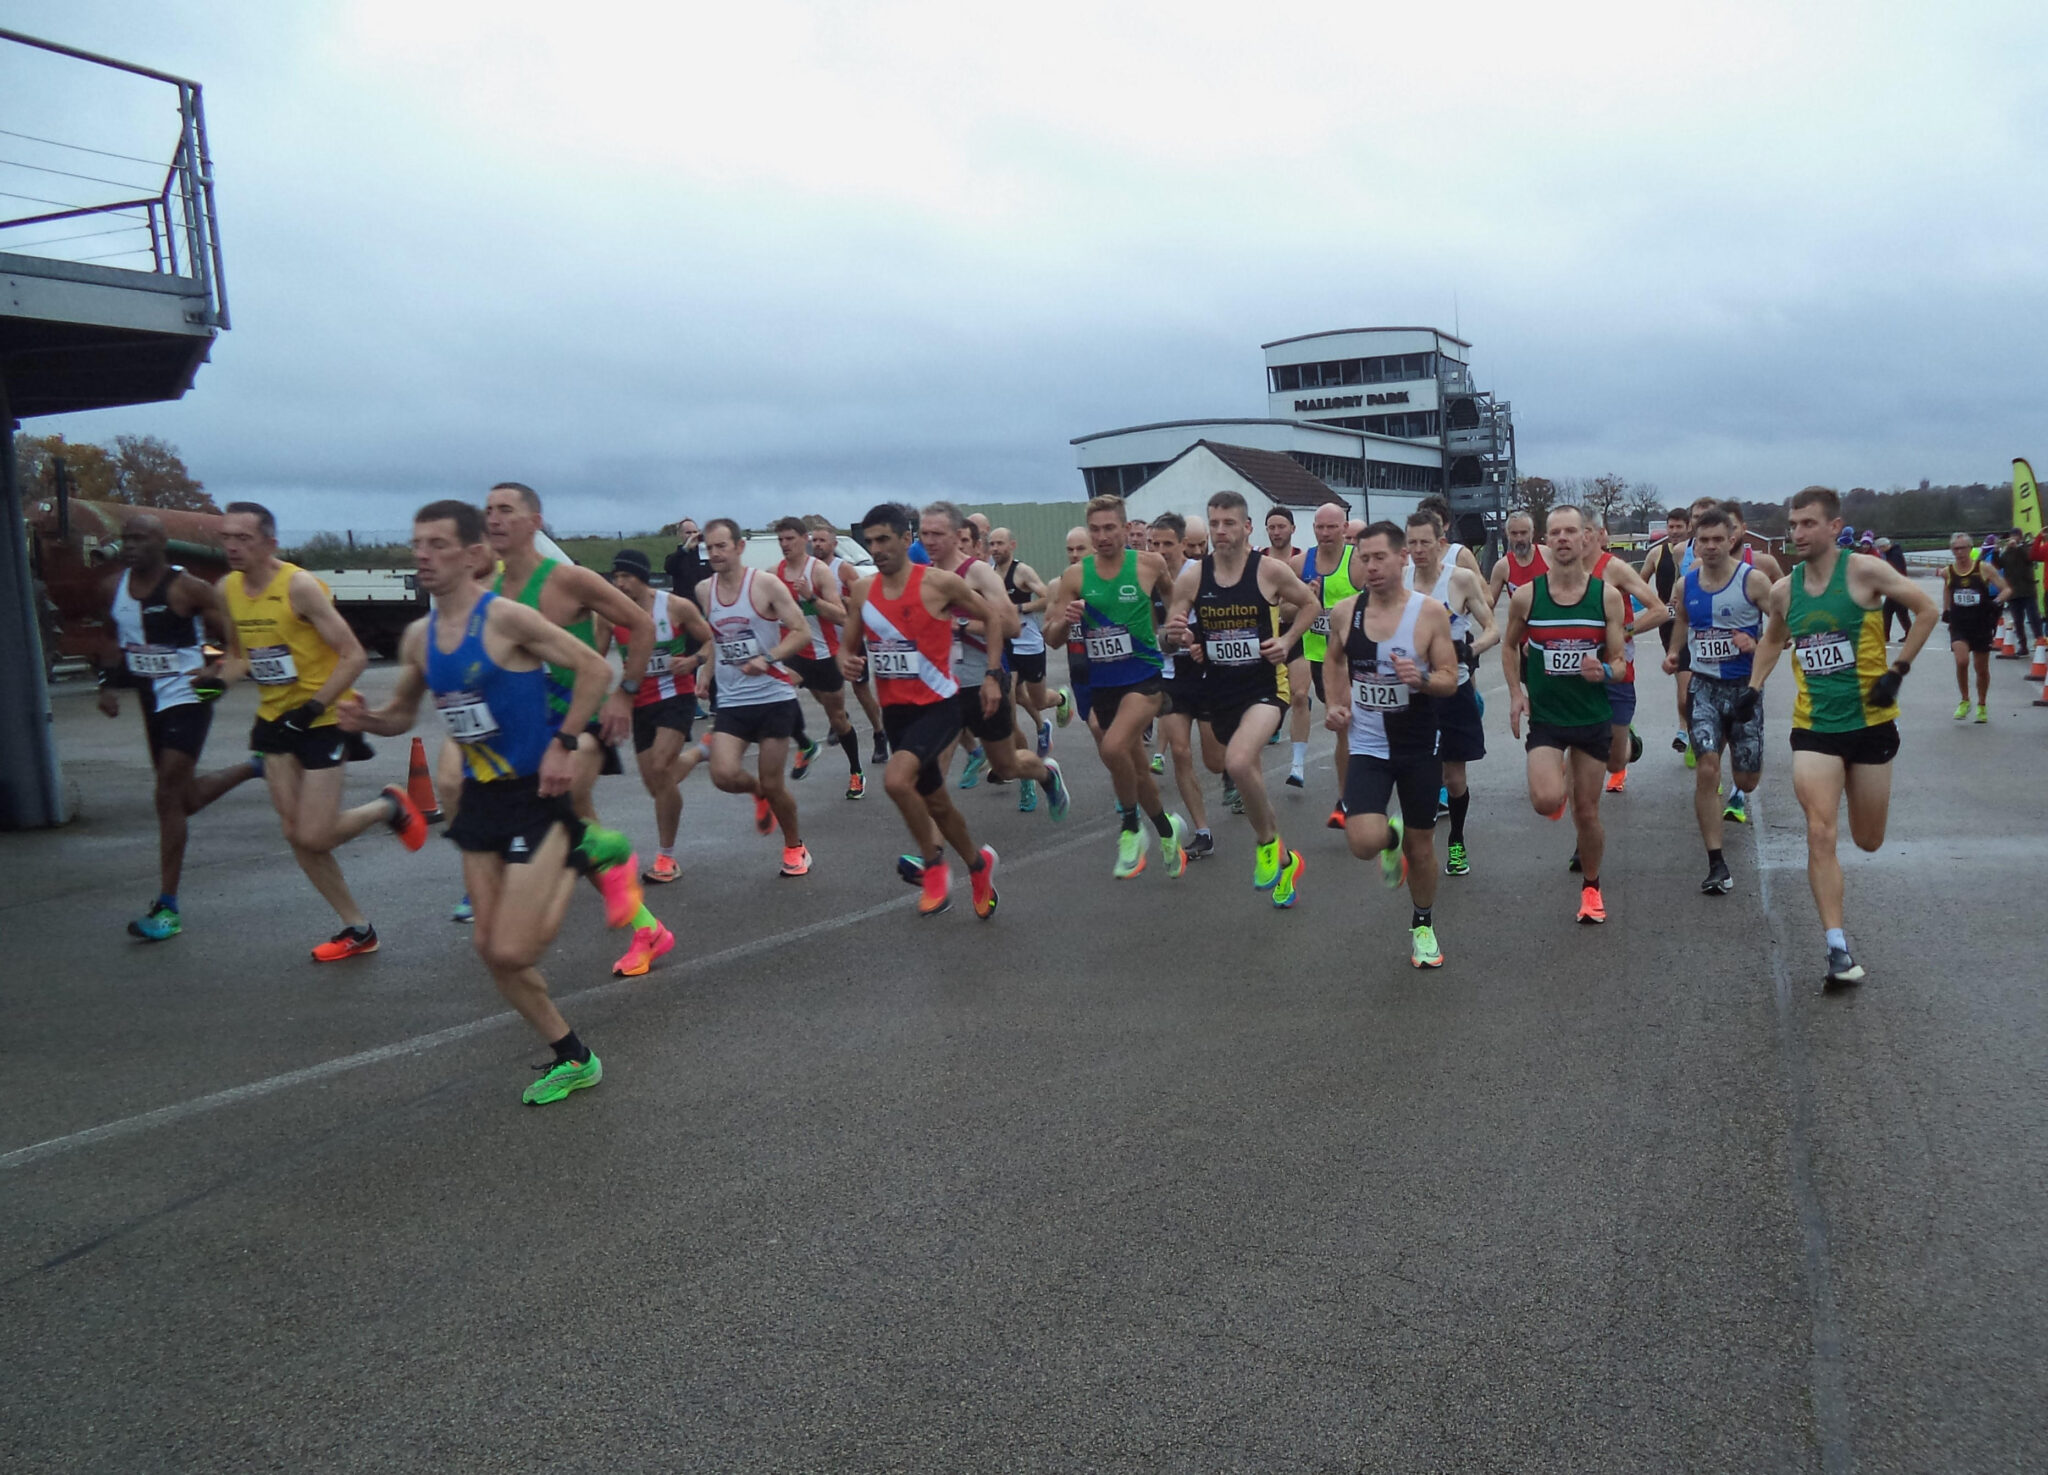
2026,513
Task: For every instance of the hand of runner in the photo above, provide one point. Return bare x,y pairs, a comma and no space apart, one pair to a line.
852,666
1744,641
1671,663
349,713
1076,610
1176,631
1274,650
557,770
1412,676
756,666
615,721
991,694
1337,719
1518,707
1745,704
1590,669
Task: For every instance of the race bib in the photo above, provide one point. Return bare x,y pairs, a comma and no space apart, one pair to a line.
1235,649
1713,645
738,650
1565,660
467,715
150,661
893,660
1109,643
1825,654
658,663
1964,598
1383,695
1322,624
272,665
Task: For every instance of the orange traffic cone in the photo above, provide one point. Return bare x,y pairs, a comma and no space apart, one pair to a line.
2039,670
419,785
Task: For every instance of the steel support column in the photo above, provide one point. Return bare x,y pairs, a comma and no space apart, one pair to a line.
31,791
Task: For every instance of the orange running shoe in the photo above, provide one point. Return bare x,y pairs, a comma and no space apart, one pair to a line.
1557,813
408,824
348,943
934,884
649,943
796,860
1591,908
663,871
764,816
1616,782
619,885
1337,817
856,785
984,883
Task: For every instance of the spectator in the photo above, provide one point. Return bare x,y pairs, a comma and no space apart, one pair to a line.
1894,555
2016,561
687,567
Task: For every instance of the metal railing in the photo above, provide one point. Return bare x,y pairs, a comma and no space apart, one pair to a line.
177,215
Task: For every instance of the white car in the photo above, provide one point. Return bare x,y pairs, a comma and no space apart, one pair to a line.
764,551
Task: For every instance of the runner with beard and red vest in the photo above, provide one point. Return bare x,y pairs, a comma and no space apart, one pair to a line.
900,626
1521,565
820,595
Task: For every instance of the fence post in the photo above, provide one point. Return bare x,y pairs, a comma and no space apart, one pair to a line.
351,540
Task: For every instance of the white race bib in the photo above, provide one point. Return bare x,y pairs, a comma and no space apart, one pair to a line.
153,661
657,663
1713,645
1565,661
1322,624
738,650
892,661
1109,643
1964,598
1822,655
1237,648
272,665
467,715
1385,695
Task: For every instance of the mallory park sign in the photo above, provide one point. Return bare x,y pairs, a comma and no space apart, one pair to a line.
1352,401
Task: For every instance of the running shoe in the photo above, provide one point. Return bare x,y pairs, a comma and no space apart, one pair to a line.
936,881
983,884
620,887
1173,847
1274,738
1151,732
1044,736
971,775
995,780
1266,866
347,943
1295,779
1337,817
1680,740
1718,882
1843,970
604,847
159,925
911,868
1159,763
407,823
764,816
1130,854
649,943
1059,798
1200,845
1443,801
1063,710
1027,796
1394,859
1558,814
1737,808
1592,909
663,871
856,785
559,1077
1616,782
796,860
1692,759
1983,713
1635,744
1232,800
1962,710
1455,863
880,756
1573,865
463,911
1284,892
1423,951
805,752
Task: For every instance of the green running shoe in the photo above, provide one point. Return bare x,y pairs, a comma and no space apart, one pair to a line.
971,774
159,926
1266,866
1394,862
1130,854
1064,712
1962,710
1983,713
1232,800
1284,893
1692,759
1455,863
1159,763
1173,847
1635,744
1738,808
1056,791
605,848
560,1077
1027,796
1422,949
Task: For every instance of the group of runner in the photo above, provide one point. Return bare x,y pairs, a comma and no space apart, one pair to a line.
1177,629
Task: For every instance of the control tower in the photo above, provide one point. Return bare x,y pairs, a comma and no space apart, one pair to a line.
110,294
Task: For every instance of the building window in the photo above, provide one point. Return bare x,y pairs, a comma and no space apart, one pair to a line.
1387,476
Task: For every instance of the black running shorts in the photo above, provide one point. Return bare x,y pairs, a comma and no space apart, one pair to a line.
316,747
510,817
179,729
995,728
760,722
1869,746
1370,782
818,673
1224,721
1597,739
677,714
925,730
1463,734
1028,669
1104,700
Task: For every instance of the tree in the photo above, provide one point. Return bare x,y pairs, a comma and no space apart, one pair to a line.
88,468
1645,502
1535,495
1604,497
153,475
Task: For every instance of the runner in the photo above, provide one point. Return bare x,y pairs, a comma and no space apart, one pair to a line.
1391,663
1844,728
164,619
1332,569
1720,617
1024,653
1523,562
825,548
664,710
1454,552
1073,697
1643,613
289,640
984,686
819,593
1182,706
1300,680
1195,542
1972,589
1461,730
488,662
1663,566
756,626
1560,654
1110,597
581,601
1225,613
449,765
1747,552
902,624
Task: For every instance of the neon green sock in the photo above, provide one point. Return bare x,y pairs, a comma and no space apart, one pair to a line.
643,918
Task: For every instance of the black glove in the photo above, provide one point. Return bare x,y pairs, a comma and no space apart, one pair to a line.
302,717
1745,703
207,685
1884,691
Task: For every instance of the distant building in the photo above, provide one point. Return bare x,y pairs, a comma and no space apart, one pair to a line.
1377,418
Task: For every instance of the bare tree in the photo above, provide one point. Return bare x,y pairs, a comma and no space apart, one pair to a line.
1535,495
1645,502
1604,496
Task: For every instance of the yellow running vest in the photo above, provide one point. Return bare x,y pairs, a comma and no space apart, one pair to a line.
287,656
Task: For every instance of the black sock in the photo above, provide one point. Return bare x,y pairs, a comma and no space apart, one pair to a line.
849,744
568,1047
1421,918
1459,804
1714,858
1131,820
1164,825
803,738
1393,841
1592,881
974,866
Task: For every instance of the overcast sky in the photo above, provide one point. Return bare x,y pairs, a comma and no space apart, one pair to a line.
770,257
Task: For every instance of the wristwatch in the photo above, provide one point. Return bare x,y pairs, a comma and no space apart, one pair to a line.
568,739
630,688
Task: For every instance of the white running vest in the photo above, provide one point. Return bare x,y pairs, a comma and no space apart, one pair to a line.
740,632
168,668
1372,701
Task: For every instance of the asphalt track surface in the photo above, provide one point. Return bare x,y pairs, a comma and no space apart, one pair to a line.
1142,1175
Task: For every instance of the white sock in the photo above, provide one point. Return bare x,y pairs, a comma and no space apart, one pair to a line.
668,852
1300,754
1837,938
